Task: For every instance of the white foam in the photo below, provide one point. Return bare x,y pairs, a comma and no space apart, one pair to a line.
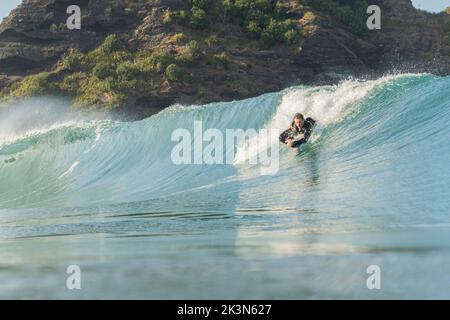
326,105
70,170
100,125
98,134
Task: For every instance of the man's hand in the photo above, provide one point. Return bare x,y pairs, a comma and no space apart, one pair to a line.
289,142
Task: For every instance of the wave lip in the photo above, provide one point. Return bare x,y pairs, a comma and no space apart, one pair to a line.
328,105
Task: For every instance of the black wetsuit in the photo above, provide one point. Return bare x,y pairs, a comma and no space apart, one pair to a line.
306,130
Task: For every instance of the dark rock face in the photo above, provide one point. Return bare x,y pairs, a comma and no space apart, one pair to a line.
332,53
412,40
34,38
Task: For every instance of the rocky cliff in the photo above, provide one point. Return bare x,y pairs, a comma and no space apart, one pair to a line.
230,65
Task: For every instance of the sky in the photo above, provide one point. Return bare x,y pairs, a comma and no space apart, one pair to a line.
430,5
6,6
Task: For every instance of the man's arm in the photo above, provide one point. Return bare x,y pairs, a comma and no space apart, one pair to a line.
284,136
309,126
303,138
308,134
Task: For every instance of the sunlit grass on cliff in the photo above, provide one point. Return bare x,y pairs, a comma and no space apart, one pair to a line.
33,85
106,76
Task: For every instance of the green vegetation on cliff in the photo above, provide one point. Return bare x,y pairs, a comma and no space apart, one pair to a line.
351,13
32,85
106,76
263,20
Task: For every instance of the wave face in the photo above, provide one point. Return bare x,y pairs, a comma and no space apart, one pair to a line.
384,136
378,161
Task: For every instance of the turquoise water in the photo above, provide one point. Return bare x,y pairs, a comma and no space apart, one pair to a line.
372,188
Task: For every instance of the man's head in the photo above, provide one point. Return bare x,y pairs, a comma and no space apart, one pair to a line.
298,120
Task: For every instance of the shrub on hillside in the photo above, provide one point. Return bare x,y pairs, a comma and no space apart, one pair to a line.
351,13
38,84
72,60
174,73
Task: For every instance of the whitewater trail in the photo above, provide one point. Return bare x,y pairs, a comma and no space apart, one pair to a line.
327,105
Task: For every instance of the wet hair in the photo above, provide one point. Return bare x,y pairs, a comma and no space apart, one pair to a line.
299,116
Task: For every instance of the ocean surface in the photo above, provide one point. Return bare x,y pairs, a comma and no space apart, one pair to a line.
371,188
